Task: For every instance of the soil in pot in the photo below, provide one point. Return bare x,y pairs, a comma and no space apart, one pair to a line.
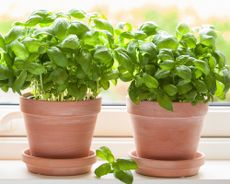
60,129
164,135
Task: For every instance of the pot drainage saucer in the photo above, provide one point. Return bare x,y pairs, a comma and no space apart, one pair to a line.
168,168
58,167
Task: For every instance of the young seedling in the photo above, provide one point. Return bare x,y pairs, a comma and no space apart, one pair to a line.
120,168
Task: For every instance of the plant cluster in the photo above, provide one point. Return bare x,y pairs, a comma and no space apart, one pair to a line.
73,55
119,167
60,56
165,68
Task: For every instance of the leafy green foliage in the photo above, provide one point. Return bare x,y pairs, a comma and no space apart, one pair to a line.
119,167
61,56
165,68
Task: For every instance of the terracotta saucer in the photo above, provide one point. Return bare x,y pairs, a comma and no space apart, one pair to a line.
168,168
58,167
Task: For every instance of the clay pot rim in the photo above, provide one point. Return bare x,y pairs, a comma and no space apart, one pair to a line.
25,95
198,160
155,102
157,117
31,160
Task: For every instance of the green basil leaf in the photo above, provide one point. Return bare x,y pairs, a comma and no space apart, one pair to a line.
126,164
166,54
85,60
19,50
150,81
77,28
103,55
164,101
210,81
56,56
184,87
167,64
19,82
58,76
184,72
183,28
212,62
91,38
122,56
125,75
79,14
35,68
149,28
208,30
200,86
32,44
202,66
149,48
140,35
133,95
103,170
60,27
105,154
2,41
191,96
220,90
42,13
168,42
170,89
124,26
111,75
4,73
207,40
160,74
14,34
103,25
221,59
78,92
124,176
34,20
104,83
189,40
71,42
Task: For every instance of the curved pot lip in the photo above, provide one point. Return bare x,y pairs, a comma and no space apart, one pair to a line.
25,95
154,110
155,102
60,108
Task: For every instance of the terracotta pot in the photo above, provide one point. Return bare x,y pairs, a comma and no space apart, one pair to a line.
60,129
164,135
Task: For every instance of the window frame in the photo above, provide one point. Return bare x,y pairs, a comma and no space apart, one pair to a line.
121,125
117,132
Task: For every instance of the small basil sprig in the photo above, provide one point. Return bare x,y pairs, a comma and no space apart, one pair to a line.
119,167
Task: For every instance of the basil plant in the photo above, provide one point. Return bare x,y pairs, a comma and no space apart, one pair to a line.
185,67
59,56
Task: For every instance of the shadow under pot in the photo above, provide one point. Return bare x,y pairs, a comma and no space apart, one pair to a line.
60,129
164,135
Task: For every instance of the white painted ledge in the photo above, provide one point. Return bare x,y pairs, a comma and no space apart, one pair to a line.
214,148
14,172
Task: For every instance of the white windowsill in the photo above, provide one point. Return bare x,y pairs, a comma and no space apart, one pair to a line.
14,172
214,148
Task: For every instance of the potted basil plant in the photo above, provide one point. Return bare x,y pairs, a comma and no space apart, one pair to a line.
64,60
171,80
